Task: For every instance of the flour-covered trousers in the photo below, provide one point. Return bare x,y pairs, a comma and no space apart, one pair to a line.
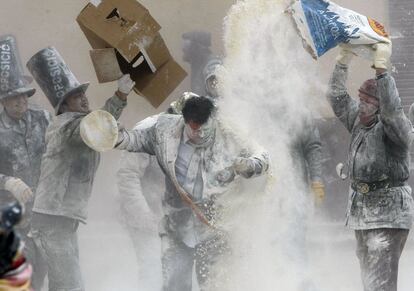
56,238
178,261
379,252
147,246
35,257
32,254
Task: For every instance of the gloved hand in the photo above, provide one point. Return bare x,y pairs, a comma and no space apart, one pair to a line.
382,55
125,84
345,54
318,190
19,189
225,176
244,166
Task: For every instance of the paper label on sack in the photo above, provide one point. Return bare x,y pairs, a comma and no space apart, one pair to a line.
323,25
95,2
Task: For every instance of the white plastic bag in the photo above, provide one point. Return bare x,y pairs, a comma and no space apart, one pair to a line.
323,25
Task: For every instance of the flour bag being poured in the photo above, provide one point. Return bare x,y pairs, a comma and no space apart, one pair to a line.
323,25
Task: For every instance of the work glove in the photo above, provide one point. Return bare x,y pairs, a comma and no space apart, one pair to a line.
382,55
318,190
225,176
244,167
19,189
345,54
125,84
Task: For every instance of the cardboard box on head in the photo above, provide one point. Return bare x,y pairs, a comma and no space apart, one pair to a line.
128,27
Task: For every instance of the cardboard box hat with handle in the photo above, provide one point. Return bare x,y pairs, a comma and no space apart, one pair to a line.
126,39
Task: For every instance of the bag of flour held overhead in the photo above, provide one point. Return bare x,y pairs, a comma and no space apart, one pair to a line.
323,25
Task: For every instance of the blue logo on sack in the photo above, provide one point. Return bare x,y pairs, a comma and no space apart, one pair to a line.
324,25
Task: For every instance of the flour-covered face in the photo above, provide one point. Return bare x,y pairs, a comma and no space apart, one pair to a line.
77,103
199,133
367,108
16,106
212,86
368,105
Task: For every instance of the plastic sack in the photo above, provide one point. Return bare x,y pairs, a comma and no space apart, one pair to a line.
323,25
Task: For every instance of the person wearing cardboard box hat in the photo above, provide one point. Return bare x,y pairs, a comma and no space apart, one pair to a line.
22,142
380,206
68,167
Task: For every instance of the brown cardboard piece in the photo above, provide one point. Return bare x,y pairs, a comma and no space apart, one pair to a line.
119,24
170,74
106,65
128,27
155,87
155,52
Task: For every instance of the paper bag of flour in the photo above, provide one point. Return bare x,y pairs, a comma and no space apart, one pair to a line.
323,25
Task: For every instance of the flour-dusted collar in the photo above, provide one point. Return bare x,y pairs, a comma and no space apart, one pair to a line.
185,139
201,138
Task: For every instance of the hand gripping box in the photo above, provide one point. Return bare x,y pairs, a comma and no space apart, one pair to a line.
126,40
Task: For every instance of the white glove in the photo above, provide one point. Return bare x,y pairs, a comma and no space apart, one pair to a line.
125,84
243,166
382,55
19,189
345,54
225,176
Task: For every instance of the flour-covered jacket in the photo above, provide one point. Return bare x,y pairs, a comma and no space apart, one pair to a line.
307,152
379,152
161,136
69,166
22,145
141,187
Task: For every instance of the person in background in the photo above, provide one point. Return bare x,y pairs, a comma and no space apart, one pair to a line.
197,52
211,79
306,153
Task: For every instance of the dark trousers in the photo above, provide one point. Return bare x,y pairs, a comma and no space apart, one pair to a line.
178,261
379,252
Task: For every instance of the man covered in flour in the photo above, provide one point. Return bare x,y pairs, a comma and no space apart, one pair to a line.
200,158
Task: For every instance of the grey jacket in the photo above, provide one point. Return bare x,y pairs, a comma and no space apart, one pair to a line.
141,185
22,147
69,166
307,152
376,153
161,137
